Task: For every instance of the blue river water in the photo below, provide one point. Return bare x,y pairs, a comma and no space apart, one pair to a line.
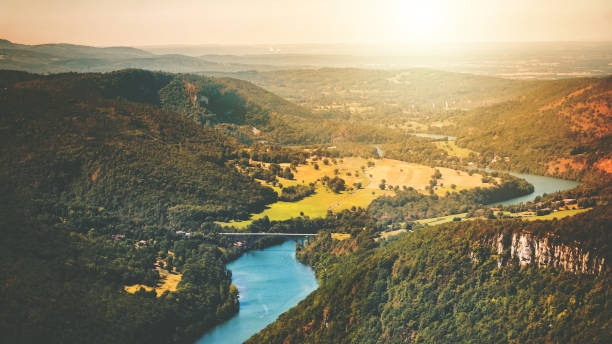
270,282
541,186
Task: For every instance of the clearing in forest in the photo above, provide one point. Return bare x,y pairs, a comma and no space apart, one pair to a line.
453,150
368,172
169,281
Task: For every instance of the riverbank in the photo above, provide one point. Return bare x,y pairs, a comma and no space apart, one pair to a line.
218,334
270,282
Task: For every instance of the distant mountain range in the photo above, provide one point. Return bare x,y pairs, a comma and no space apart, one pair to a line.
102,174
547,60
56,58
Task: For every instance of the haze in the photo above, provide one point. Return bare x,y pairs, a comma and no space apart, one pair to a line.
156,22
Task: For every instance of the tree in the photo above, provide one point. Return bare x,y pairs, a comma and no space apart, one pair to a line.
336,184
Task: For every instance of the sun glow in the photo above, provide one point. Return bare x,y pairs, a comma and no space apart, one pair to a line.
154,22
419,21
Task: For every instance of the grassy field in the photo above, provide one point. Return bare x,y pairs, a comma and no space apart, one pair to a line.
442,190
355,170
452,149
528,216
440,220
313,206
394,172
340,236
361,198
400,173
168,281
349,169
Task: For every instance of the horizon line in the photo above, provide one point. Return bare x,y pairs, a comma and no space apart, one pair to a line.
354,44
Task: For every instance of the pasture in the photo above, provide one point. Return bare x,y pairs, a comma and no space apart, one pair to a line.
368,172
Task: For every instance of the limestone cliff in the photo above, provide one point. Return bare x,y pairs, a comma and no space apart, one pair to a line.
545,251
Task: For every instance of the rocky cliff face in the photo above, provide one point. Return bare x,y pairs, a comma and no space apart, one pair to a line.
526,249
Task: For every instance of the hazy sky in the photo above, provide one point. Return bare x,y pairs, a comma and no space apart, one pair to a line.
151,22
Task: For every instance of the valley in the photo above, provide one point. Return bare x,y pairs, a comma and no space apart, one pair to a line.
306,172
116,187
364,181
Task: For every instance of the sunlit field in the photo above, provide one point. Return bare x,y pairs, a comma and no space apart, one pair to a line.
370,173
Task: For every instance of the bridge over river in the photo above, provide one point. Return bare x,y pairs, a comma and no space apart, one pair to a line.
245,239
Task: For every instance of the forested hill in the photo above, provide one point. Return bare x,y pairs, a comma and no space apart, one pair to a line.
253,112
58,58
256,114
559,127
382,95
444,285
236,107
95,179
99,140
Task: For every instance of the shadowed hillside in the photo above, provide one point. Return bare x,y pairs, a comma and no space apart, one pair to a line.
97,184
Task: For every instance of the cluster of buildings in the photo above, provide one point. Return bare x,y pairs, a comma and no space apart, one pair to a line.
143,243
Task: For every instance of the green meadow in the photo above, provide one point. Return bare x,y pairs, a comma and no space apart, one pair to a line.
452,149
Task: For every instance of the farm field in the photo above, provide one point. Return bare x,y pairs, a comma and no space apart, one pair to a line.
314,206
355,170
528,216
440,220
396,172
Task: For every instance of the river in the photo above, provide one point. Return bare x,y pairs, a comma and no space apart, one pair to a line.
541,185
270,282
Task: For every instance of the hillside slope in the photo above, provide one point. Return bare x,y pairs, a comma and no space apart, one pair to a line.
267,116
561,127
69,134
381,95
96,185
443,285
